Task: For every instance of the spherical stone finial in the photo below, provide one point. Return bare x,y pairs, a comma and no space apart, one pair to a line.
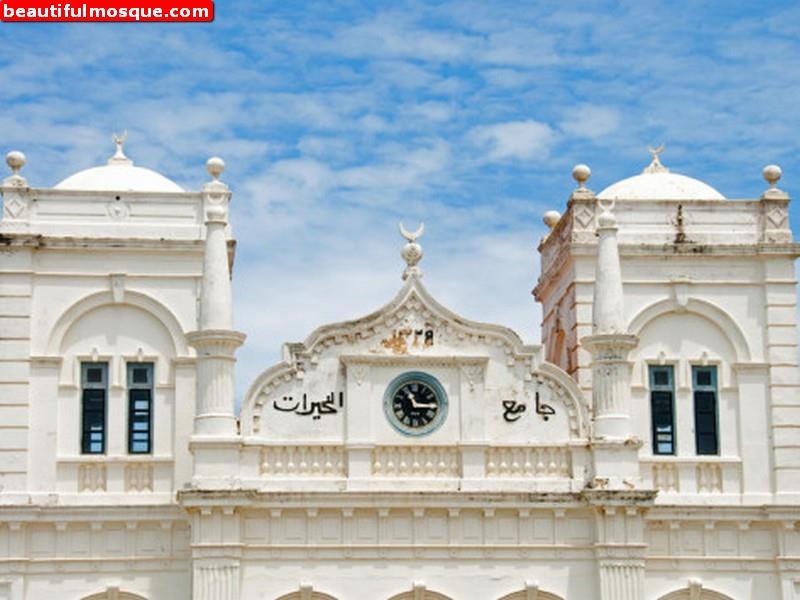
772,174
215,166
551,218
15,160
581,174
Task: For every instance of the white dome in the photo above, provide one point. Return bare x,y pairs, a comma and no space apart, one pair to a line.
657,183
119,175
660,186
119,178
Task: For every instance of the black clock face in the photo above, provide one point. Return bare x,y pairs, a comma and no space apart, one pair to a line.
415,404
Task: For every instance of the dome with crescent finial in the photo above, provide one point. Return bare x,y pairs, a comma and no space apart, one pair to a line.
119,175
656,182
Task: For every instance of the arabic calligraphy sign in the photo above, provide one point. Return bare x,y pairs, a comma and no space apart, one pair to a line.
315,409
512,410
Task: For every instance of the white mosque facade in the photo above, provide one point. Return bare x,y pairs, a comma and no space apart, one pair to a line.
649,449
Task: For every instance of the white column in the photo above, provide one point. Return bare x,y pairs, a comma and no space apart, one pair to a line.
609,342
614,447
215,341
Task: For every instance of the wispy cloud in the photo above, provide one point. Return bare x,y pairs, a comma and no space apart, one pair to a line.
588,121
517,140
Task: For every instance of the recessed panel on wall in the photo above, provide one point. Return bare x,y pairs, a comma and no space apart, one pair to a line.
294,528
472,527
727,540
42,540
691,540
507,528
578,529
79,540
114,536
401,529
366,529
543,530
657,539
436,528
330,527
254,529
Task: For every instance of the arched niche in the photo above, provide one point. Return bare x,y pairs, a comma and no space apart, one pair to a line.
135,300
678,314
122,327
688,335
113,331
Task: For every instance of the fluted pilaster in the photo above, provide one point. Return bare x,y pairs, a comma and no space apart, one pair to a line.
611,377
216,581
621,580
215,384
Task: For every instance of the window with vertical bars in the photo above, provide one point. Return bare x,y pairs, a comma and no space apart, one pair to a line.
140,408
94,392
662,408
704,387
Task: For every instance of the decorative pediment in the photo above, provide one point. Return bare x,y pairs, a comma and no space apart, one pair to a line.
413,332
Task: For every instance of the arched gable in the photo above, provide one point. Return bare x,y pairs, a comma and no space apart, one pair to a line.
146,303
702,308
412,297
577,407
378,339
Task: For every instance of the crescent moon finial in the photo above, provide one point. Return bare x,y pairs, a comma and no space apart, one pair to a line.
412,251
119,142
655,165
412,237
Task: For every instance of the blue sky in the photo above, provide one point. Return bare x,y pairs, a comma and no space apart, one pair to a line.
337,119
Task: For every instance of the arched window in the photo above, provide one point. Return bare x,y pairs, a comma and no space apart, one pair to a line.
531,592
695,592
306,593
114,593
420,592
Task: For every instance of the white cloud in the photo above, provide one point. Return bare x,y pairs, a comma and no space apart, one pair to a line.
590,121
431,111
519,140
392,35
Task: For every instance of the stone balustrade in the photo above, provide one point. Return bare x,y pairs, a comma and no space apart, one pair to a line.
706,475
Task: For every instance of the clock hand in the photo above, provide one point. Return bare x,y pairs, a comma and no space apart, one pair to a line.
415,404
426,405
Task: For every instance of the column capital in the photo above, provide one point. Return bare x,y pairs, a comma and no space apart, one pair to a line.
602,341
206,337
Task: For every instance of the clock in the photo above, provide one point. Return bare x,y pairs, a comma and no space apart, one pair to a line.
415,403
